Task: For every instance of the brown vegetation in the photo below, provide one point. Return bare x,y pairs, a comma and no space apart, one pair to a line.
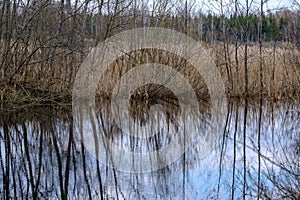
281,71
39,84
42,44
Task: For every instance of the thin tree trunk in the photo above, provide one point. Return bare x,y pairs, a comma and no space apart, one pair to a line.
260,48
246,37
236,48
225,48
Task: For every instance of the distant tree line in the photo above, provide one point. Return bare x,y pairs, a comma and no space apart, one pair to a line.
99,19
281,26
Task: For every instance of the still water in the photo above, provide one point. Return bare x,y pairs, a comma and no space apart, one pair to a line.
255,154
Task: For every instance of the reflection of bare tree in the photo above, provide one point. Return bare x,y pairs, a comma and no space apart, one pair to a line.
244,141
224,136
276,172
284,173
41,157
234,151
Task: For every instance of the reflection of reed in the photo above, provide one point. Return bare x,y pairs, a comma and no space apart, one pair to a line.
139,111
40,157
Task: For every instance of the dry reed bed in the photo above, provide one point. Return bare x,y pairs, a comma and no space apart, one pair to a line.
125,63
51,78
280,70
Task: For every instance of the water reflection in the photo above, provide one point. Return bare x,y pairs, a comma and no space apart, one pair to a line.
256,155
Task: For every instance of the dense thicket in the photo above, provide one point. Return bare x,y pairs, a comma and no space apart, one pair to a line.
43,42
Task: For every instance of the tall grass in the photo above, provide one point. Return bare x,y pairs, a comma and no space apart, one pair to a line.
50,79
281,71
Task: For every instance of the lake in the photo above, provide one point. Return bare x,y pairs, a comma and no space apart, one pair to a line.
46,154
